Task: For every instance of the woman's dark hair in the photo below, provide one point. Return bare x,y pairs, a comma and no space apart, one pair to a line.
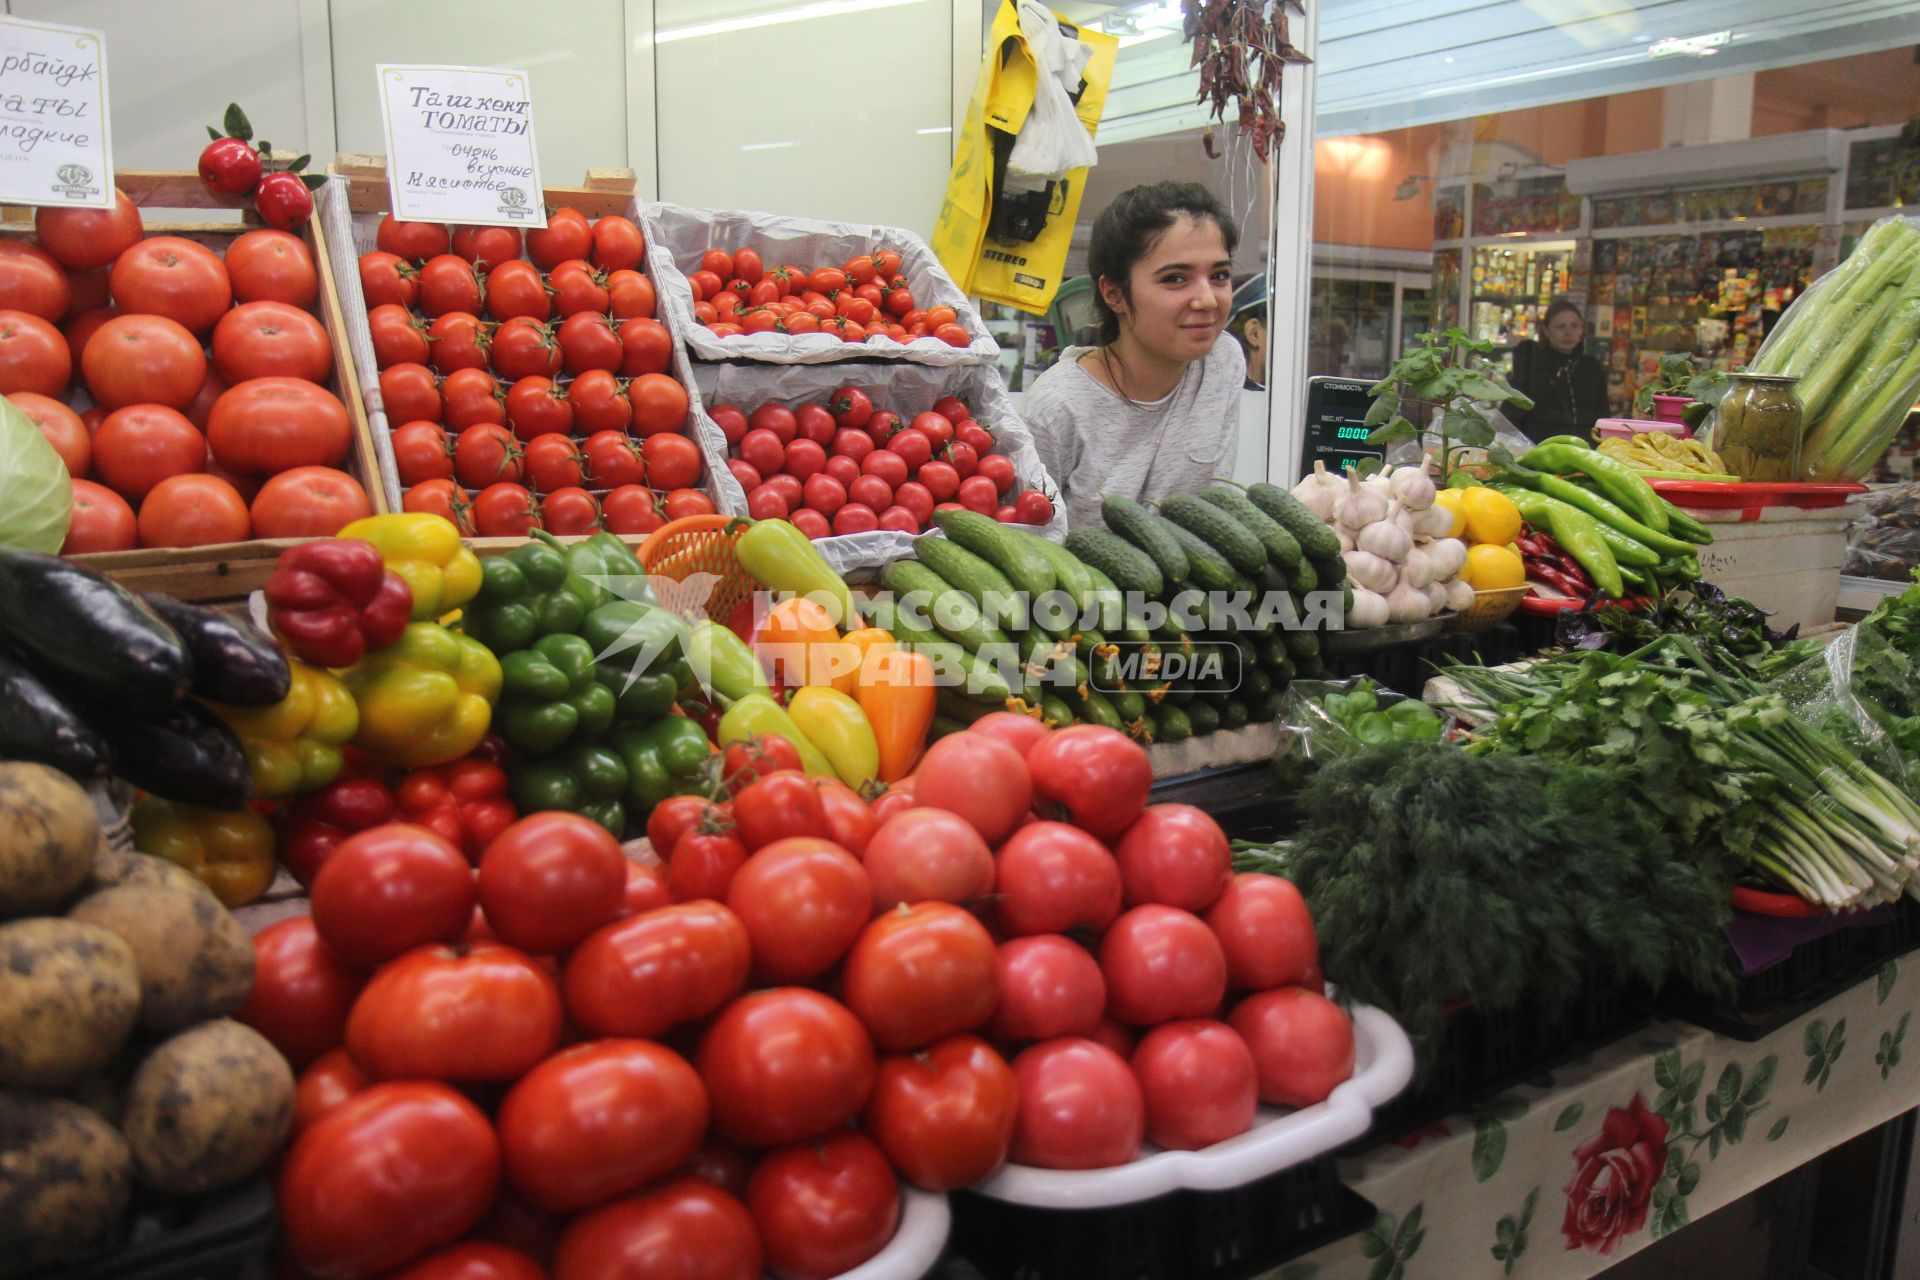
1127,228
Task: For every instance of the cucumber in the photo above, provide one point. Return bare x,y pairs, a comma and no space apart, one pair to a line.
944,726
965,626
1315,538
1311,668
1235,715
1005,548
1218,529
954,705
1274,578
1307,578
1125,565
1055,712
1255,683
1303,645
1148,532
1266,707
1129,704
1271,651
1089,642
982,678
1207,568
1092,707
1202,717
1170,724
1281,546
1069,574
1331,573
1109,607
980,579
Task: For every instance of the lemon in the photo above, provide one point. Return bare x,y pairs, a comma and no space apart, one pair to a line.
1491,517
1489,568
1450,500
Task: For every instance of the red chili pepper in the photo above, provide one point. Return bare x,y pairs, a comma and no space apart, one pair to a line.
464,803
315,824
334,600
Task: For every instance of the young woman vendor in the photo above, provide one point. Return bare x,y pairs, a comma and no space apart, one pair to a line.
1154,409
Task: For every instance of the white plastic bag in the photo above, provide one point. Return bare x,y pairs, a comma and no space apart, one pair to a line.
1052,140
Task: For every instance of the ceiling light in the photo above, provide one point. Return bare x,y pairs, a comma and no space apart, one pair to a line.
1690,46
798,13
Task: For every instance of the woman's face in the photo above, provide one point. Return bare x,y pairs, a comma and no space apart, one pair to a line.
1182,288
1565,330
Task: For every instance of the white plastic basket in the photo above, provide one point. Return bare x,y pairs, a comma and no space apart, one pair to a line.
1279,1139
917,1242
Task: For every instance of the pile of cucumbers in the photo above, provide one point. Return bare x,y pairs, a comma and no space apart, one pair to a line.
1106,660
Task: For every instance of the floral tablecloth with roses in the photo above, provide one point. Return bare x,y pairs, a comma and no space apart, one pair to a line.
1586,1164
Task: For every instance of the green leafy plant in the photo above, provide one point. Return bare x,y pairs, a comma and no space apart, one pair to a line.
1677,377
1450,368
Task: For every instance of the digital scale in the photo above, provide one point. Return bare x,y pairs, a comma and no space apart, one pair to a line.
1336,431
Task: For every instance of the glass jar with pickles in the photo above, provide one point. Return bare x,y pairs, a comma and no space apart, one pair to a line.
1758,429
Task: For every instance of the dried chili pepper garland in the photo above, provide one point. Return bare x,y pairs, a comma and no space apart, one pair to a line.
1241,48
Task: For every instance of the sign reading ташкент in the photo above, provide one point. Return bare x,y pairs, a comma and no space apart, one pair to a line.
55,144
460,145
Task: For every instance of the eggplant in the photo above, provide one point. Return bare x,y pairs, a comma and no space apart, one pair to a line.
35,724
232,662
84,630
188,754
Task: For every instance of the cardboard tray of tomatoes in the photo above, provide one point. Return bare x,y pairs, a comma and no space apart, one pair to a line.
1279,1139
907,390
677,236
351,222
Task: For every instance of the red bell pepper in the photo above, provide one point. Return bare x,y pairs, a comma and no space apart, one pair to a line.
313,826
334,600
464,803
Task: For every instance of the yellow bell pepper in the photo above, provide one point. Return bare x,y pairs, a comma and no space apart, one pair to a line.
230,853
426,700
293,746
425,551
835,723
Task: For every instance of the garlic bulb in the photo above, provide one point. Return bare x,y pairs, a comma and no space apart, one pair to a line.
1358,507
1370,571
1386,539
1369,609
1319,491
1435,522
1447,556
1417,569
1412,487
1407,604
1459,596
1410,521
1436,598
1346,539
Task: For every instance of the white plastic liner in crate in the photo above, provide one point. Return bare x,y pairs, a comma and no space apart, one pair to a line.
925,1222
906,389
678,235
350,234
1279,1139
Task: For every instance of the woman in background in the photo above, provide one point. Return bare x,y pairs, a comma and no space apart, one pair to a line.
1568,387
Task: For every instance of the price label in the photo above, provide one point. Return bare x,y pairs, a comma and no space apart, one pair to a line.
460,145
56,147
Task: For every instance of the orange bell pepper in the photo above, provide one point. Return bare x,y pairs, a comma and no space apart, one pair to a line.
802,646
896,690
866,639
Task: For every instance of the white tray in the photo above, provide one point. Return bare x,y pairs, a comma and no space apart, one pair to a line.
917,1243
1279,1139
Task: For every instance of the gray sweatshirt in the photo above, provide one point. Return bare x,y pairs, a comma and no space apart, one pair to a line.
1094,442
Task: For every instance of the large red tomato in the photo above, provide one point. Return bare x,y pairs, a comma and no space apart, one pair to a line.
33,355
139,446
172,277
686,1229
1017,731
922,972
308,502
646,973
1162,963
193,511
645,347
781,805
31,281
60,425
982,779
803,902
389,889
390,1173
1049,986
301,991
784,1065
1197,1079
1266,931
551,879
472,1015
1053,878
928,855
1099,775
102,521
487,247
945,1115
143,360
79,332
1302,1044
673,461
600,1120
825,1207
474,1260
1174,855
415,240
268,340
81,239
327,1082
1080,1107
272,266
850,817
265,426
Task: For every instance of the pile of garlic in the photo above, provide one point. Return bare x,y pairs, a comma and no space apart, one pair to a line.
1402,565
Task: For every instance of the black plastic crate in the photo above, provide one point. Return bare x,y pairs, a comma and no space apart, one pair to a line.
1186,1235
226,1236
1244,799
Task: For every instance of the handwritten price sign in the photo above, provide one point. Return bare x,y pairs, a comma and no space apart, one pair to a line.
55,144
460,145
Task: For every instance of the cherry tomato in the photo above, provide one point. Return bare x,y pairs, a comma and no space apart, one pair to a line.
1198,1082
784,1065
1049,986
646,973
1080,1106
1302,1044
1033,507
977,493
871,493
811,523
1162,963
388,889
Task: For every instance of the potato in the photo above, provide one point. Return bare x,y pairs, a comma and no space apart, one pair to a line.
117,866
207,1108
195,960
48,829
64,1180
71,995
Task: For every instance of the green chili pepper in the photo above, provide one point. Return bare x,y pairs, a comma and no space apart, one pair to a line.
1563,490
1618,481
721,660
549,696
1578,534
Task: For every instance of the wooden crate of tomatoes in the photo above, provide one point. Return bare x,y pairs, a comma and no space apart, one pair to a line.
191,371
522,380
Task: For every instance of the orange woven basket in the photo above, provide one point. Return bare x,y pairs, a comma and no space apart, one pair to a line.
701,544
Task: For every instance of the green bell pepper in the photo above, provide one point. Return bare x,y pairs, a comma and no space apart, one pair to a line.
624,633
643,698
662,759
586,779
549,696
600,569
523,596
721,661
